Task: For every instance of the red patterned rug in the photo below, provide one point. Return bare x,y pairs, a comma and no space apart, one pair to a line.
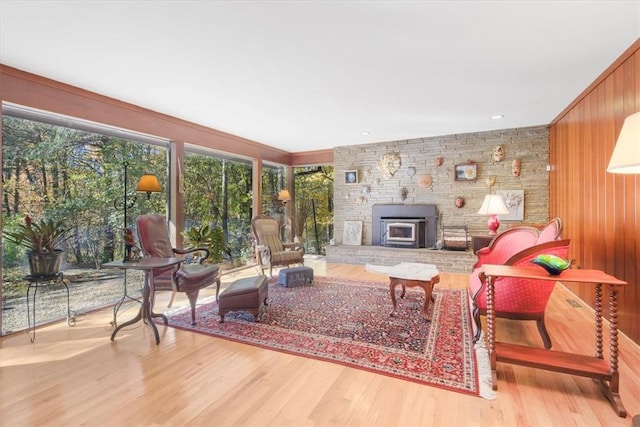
347,322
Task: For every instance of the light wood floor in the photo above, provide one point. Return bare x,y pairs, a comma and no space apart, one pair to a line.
74,376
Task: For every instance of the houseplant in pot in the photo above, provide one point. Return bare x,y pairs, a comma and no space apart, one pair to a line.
43,241
210,238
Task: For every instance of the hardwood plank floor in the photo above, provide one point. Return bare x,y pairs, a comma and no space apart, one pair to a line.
75,376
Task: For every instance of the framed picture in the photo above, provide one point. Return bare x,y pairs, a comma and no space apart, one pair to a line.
466,172
514,200
352,233
351,177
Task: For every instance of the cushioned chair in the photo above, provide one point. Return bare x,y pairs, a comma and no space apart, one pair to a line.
189,278
510,248
269,249
518,299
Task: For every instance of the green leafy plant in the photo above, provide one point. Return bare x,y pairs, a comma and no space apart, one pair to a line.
210,238
39,237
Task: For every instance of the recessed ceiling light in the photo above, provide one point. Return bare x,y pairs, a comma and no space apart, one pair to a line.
497,117
364,133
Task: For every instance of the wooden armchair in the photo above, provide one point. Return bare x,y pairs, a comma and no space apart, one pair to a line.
270,251
189,278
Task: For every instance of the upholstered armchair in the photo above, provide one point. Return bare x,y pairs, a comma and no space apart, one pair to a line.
515,298
270,251
510,242
188,278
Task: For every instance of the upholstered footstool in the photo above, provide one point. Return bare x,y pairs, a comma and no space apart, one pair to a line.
246,294
296,276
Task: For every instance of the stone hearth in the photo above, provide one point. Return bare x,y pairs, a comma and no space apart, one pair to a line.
449,261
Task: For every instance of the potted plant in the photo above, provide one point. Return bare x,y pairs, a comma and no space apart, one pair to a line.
43,241
210,238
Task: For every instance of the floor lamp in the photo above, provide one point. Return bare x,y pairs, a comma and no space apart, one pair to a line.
285,197
148,184
626,160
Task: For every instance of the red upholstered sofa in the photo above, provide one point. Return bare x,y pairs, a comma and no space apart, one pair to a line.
517,298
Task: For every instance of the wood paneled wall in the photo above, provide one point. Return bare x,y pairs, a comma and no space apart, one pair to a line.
600,210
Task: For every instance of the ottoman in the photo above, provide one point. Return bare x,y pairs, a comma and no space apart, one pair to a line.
296,276
245,294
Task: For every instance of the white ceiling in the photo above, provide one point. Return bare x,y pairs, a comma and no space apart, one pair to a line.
307,75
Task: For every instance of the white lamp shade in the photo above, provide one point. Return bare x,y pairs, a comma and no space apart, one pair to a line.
493,204
626,154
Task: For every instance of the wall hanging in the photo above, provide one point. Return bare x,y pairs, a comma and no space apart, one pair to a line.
389,164
515,167
351,177
466,172
352,233
498,153
514,200
424,181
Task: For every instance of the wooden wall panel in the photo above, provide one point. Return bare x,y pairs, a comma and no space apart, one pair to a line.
22,88
601,211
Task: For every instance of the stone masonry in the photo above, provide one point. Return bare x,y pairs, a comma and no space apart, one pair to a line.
530,145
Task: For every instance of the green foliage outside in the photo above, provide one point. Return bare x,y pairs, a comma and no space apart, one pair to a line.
314,207
218,194
210,238
65,174
61,174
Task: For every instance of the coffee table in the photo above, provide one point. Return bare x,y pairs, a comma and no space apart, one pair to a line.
413,274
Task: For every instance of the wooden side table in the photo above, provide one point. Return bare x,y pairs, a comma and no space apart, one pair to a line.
410,274
606,374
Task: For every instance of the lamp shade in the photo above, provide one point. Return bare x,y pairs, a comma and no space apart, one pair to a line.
626,154
493,204
284,195
149,184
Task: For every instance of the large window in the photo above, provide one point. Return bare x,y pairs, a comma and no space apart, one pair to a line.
217,193
273,180
313,216
51,171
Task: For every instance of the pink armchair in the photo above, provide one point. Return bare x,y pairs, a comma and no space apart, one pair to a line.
517,298
189,278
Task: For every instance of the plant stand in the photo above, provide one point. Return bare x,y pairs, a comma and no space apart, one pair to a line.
38,281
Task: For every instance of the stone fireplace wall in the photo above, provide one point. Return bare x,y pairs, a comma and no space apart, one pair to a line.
353,202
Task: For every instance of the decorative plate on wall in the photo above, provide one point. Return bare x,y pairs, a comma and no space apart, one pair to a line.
424,181
410,171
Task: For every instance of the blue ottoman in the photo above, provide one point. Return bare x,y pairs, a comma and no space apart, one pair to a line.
296,276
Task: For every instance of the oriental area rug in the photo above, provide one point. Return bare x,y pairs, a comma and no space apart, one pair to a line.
348,322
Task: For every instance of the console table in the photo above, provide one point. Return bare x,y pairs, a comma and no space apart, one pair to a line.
479,241
606,374
146,313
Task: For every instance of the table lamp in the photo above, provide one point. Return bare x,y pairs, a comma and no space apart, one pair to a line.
493,205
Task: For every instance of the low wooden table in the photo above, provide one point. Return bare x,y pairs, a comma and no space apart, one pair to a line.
413,274
606,374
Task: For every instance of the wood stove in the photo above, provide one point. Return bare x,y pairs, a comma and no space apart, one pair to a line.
403,232
404,226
